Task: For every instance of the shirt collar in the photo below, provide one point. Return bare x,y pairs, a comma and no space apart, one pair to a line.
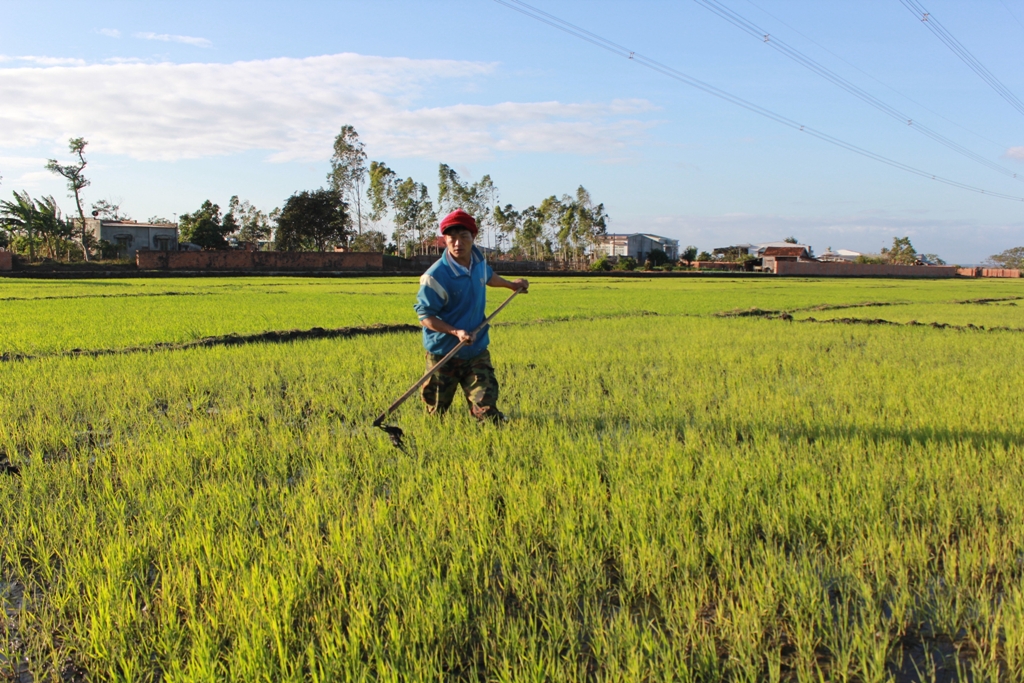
456,267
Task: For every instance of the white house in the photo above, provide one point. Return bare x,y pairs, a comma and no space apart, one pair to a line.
637,245
130,236
840,255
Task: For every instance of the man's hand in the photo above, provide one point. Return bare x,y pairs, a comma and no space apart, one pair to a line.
438,325
520,285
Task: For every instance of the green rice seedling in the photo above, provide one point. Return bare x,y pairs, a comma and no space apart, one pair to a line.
113,314
677,497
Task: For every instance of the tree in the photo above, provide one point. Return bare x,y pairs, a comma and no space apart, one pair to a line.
530,238
592,221
550,216
1011,258
20,216
107,210
791,240
414,215
348,170
204,227
901,253
933,259
657,257
477,199
76,182
452,193
578,223
689,254
54,230
248,223
705,256
507,221
371,240
315,220
35,223
381,191
407,201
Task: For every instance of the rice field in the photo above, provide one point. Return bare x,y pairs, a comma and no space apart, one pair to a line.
696,484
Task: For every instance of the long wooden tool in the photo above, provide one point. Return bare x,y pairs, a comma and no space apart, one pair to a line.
394,432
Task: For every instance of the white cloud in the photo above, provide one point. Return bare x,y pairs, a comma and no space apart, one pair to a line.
167,38
126,60
44,61
293,108
109,32
1015,153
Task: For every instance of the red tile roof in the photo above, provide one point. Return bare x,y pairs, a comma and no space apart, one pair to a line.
785,251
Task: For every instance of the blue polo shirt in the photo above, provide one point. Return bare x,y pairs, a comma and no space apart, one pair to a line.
458,296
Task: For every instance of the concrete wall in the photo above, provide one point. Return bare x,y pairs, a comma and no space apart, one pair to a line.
6,260
819,269
258,260
717,265
988,272
522,266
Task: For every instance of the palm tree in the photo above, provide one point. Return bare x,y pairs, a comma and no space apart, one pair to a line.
51,224
22,216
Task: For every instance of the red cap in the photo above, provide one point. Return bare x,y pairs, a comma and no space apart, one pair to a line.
459,218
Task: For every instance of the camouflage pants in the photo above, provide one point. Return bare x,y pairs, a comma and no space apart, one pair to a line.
474,375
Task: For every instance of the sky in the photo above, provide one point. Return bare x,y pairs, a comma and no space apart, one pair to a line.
187,101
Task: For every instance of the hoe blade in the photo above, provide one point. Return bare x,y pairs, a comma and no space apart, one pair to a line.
395,434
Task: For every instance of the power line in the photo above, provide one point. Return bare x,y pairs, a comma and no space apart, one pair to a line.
781,46
1012,13
933,25
632,55
877,80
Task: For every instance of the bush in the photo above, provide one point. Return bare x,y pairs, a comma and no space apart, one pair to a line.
668,267
869,259
600,265
371,240
657,257
626,263
108,250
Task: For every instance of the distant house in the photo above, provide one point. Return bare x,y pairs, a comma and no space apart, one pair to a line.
739,250
637,245
840,256
772,255
130,236
734,252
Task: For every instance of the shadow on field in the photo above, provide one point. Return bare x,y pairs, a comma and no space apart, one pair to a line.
922,436
730,431
272,337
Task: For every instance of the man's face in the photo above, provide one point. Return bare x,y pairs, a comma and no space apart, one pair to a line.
459,242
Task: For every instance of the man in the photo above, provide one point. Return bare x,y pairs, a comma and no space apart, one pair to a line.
450,305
